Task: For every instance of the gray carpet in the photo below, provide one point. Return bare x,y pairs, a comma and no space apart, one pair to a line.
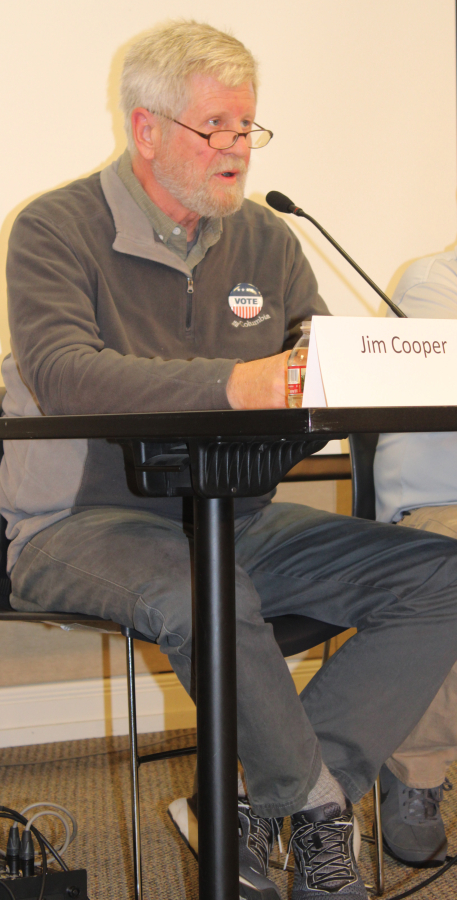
91,778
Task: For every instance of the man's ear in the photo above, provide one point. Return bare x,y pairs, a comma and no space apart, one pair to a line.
146,131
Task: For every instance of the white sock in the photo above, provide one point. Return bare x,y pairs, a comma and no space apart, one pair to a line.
326,790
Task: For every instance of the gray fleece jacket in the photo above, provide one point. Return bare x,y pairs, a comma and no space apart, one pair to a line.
102,321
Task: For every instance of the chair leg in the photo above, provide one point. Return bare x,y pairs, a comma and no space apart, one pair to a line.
326,652
378,838
134,768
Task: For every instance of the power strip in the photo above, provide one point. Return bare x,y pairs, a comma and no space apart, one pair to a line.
59,886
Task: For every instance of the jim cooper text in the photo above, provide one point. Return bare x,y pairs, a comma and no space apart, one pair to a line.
399,346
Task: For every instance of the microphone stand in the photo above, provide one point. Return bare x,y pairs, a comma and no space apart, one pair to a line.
281,203
396,309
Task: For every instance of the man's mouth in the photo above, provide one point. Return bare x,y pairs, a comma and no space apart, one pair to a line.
238,170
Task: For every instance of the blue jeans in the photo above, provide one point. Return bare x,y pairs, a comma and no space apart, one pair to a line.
397,586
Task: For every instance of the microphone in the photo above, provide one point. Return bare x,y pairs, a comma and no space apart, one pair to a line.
281,203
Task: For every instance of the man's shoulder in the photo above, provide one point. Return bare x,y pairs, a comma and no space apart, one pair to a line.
428,288
429,269
80,199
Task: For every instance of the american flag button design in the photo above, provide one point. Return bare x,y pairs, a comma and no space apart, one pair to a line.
245,300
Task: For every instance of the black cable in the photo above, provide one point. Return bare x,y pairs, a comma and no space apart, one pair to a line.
2,883
418,887
52,850
6,813
39,835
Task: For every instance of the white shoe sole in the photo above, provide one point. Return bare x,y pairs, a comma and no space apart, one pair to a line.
357,839
185,821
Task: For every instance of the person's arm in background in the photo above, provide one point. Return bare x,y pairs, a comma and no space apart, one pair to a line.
413,470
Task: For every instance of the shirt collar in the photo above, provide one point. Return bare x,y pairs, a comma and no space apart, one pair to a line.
166,230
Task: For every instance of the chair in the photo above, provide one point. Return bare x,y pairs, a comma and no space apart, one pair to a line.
293,633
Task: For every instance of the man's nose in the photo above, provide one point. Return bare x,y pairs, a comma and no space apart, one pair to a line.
239,148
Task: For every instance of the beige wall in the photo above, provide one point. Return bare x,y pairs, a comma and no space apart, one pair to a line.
361,97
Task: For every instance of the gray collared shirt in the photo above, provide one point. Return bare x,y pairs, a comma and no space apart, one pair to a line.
166,230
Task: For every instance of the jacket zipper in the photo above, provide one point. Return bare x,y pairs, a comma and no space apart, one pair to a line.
190,291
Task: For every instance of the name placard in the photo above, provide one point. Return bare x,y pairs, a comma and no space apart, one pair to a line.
356,361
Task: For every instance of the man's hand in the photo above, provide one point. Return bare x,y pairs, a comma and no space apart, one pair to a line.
260,384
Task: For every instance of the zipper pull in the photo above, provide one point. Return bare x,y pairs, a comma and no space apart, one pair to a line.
190,285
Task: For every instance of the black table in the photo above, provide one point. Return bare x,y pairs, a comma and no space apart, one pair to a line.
217,456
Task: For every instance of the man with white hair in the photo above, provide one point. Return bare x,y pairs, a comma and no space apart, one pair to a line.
123,290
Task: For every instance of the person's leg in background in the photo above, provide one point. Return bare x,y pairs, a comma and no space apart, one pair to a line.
414,777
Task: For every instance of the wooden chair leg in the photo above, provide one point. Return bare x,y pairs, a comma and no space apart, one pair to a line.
134,769
378,838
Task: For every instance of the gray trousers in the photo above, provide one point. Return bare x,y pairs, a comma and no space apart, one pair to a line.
397,586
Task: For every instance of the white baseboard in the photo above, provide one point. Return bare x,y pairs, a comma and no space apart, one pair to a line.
73,710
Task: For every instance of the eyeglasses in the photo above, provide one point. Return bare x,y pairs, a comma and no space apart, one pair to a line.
223,140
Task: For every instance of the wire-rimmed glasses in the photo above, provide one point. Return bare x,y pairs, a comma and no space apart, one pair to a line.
223,140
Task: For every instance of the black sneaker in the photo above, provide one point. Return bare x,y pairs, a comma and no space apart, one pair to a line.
323,843
412,827
257,837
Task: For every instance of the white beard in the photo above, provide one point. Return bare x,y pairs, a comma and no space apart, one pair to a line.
183,183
